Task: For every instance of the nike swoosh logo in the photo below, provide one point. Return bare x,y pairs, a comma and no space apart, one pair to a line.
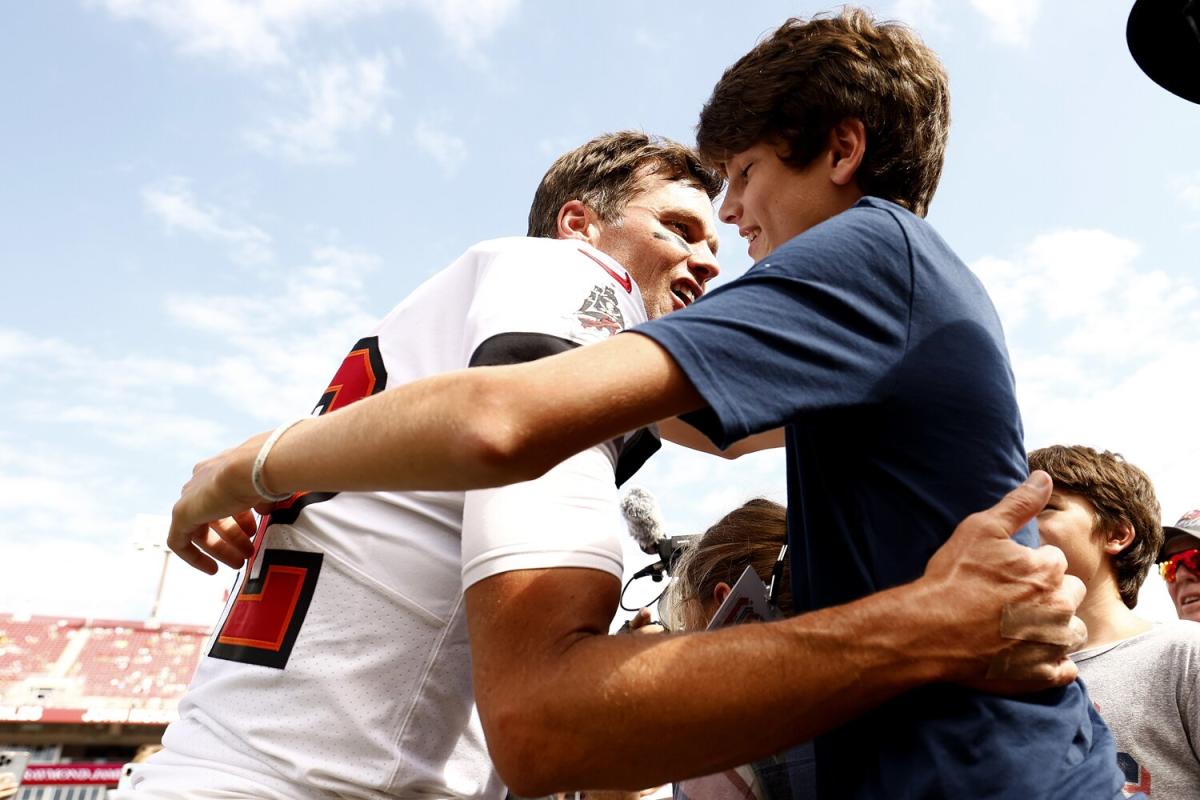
625,281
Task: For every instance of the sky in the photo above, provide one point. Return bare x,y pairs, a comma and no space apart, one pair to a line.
205,202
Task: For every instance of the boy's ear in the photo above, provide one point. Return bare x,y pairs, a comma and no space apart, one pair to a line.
1120,537
847,148
577,221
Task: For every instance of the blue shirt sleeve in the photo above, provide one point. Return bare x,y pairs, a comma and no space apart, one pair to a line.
818,324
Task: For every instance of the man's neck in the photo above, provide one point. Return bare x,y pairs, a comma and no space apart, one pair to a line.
1107,617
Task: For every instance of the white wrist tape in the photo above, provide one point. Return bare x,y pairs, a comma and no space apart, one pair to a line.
260,461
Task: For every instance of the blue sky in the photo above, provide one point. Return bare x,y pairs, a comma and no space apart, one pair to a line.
204,203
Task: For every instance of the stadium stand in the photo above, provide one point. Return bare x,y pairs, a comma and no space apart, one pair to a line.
87,693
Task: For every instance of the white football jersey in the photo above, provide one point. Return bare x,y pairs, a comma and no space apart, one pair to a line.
341,664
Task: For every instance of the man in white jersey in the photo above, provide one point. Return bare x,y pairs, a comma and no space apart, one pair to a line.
366,691
341,665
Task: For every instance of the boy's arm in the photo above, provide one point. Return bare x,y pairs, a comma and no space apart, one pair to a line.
563,704
475,428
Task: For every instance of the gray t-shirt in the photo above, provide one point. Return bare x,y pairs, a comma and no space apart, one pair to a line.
1145,688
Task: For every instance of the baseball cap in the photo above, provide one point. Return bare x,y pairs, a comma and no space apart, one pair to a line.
1188,525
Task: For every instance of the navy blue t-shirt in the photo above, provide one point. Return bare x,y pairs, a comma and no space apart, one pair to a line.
882,354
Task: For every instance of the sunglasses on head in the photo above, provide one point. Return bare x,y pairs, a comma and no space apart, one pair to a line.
1188,558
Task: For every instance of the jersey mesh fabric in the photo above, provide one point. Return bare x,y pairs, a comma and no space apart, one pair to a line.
375,699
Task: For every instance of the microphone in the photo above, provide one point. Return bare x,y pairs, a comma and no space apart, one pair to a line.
644,521
640,510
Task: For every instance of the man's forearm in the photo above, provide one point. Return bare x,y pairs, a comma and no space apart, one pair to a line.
699,703
565,705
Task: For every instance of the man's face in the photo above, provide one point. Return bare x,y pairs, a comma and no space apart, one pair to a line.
1069,523
1185,590
667,240
771,201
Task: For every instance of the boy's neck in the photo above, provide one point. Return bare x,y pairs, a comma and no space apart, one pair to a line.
1107,617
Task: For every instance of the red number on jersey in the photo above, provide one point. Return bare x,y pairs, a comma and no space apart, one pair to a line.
361,375
267,613
265,619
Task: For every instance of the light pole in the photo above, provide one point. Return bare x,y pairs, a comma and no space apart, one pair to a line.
162,576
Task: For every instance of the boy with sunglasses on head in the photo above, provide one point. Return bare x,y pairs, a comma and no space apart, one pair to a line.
1179,561
1143,677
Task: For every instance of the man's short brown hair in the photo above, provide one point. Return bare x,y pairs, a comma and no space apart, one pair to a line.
1120,492
607,171
806,77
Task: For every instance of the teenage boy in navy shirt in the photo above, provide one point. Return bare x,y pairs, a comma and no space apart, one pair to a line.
882,353
858,330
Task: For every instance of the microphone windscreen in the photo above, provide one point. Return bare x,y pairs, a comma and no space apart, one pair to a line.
640,510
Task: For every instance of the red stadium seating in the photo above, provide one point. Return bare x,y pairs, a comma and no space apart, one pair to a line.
30,646
89,663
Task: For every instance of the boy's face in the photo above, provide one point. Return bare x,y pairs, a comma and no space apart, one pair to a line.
1069,523
1185,590
771,201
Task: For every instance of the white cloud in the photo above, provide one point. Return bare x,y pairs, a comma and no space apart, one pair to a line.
1087,284
266,355
174,204
250,34
127,401
276,361
340,98
68,511
923,15
467,23
266,33
1187,190
1104,351
69,541
149,429
448,150
110,579
1011,21
49,492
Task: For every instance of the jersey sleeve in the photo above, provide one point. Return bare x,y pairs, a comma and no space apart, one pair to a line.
817,325
539,297
534,299
566,518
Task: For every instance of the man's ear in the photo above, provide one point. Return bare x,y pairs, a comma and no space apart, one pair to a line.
847,148
577,221
1120,537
